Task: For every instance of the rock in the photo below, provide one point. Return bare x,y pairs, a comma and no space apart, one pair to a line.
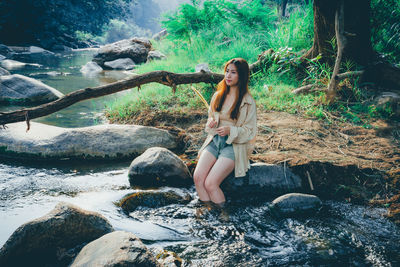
262,180
295,204
105,142
152,199
4,72
6,51
120,64
169,259
155,55
115,249
91,69
158,36
42,241
136,49
12,64
202,67
22,89
36,50
389,100
158,166
2,57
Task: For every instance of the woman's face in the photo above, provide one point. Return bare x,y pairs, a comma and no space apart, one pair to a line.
231,75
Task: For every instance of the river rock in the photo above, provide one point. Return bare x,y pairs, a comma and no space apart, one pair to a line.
120,64
169,259
155,55
158,36
152,199
158,166
43,241
6,51
136,49
91,69
4,72
263,180
12,64
295,204
37,50
106,142
115,249
2,57
202,67
19,88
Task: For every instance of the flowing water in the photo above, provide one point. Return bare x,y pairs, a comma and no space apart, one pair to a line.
341,234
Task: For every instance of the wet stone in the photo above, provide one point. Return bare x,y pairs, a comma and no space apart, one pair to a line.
295,204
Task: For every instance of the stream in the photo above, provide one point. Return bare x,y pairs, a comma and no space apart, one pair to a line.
341,234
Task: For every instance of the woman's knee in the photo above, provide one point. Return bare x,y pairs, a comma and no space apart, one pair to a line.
199,177
210,184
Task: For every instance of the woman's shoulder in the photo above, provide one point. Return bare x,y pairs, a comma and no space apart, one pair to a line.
248,99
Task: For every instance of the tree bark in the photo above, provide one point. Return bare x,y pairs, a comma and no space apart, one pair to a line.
283,7
162,77
357,30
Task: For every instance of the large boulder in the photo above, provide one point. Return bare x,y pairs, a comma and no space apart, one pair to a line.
4,72
106,142
295,204
136,49
263,180
158,166
115,249
17,88
45,240
120,64
12,64
152,199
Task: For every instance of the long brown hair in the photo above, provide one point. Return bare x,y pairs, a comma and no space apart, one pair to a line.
223,89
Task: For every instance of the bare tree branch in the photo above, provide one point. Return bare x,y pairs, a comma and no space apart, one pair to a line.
163,77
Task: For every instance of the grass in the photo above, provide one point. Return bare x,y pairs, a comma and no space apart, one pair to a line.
271,87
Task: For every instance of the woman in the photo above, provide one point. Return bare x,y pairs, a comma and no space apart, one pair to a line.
231,129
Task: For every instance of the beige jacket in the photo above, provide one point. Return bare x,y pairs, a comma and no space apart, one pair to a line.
242,135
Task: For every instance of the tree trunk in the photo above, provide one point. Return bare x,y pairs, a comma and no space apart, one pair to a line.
356,27
283,7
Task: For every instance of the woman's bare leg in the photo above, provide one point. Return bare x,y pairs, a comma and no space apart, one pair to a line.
220,170
203,167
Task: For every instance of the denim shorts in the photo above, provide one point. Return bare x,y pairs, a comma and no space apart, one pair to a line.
219,148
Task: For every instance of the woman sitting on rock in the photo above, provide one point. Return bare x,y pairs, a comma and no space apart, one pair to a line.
231,128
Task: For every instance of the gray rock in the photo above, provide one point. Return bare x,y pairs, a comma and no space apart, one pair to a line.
295,204
12,64
136,49
91,69
104,142
115,249
202,67
389,100
43,241
6,51
39,50
2,57
152,199
155,55
19,88
158,36
263,180
4,72
158,166
120,64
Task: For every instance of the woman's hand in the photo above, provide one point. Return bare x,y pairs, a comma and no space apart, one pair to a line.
211,123
224,130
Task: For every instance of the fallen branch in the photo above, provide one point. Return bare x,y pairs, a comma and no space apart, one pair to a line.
307,89
163,77
349,74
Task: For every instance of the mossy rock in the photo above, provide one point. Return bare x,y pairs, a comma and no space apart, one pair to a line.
152,199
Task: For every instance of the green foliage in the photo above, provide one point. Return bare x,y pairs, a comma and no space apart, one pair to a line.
385,22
